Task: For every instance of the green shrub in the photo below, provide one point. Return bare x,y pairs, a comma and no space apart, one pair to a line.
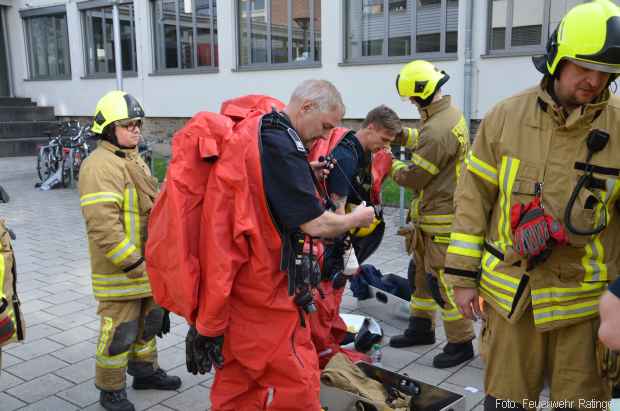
160,164
391,194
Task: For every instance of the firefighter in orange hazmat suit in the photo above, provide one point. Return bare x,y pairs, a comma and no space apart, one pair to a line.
263,203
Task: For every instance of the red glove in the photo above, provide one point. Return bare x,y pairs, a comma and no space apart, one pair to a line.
7,329
529,228
534,232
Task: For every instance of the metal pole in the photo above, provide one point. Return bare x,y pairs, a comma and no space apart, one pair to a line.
118,58
7,49
469,63
401,207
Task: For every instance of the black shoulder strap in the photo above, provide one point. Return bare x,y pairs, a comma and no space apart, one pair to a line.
278,121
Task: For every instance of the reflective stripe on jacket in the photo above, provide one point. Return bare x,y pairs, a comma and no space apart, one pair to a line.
435,166
116,196
526,140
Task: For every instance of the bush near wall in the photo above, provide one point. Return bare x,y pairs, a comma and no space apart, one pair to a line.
390,191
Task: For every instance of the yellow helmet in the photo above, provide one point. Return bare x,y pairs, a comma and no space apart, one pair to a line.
588,35
420,79
365,231
114,106
366,240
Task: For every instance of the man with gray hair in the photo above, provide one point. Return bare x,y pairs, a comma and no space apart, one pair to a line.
314,109
263,212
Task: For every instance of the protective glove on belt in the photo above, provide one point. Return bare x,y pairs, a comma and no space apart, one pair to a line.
534,232
7,329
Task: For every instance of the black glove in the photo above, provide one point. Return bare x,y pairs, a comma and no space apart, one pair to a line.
201,353
165,324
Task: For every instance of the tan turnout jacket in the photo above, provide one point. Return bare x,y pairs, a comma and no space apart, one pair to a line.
523,141
436,163
116,197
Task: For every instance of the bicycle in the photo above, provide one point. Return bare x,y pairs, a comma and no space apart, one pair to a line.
49,157
75,152
65,150
146,152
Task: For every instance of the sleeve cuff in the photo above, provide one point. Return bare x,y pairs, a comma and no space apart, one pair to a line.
460,281
208,331
397,165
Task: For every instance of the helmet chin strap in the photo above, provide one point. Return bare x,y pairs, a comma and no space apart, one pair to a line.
425,102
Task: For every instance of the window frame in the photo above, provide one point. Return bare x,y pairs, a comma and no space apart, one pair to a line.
509,50
440,55
87,37
52,11
159,68
312,63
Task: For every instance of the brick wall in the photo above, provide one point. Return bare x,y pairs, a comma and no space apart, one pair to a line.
157,129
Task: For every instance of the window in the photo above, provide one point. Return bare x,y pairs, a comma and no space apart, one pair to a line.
372,7
98,29
185,34
396,6
47,43
279,33
524,26
384,30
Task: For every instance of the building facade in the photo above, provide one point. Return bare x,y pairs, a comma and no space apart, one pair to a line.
184,56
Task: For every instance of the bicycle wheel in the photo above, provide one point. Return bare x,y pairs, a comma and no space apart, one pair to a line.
56,157
65,176
44,163
78,157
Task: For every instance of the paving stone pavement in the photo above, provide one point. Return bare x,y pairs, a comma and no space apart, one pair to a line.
54,368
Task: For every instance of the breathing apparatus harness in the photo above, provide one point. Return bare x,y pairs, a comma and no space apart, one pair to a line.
535,233
297,258
338,261
597,141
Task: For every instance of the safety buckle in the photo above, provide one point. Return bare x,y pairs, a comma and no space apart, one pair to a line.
538,191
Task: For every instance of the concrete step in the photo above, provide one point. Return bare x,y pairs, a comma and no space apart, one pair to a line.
27,114
16,102
19,129
25,146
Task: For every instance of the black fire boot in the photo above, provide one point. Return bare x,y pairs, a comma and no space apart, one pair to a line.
159,380
454,354
420,332
115,401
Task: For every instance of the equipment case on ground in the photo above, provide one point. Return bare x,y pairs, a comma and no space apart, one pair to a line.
428,397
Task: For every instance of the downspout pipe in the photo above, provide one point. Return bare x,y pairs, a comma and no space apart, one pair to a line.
118,57
469,63
7,49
